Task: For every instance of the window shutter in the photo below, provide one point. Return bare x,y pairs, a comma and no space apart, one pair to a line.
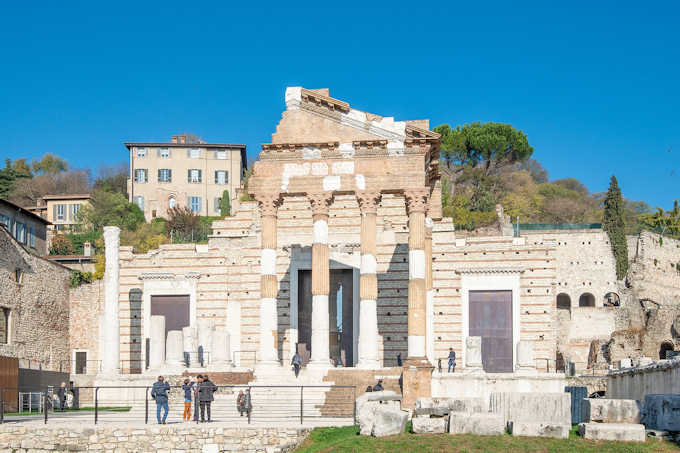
54,213
189,153
216,179
188,175
170,175
159,175
226,177
200,176
158,152
169,153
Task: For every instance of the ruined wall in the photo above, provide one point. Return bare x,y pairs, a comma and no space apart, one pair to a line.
38,304
654,273
86,304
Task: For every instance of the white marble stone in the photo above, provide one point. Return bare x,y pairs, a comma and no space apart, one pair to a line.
368,335
605,410
485,424
220,349
206,331
416,345
157,343
554,408
525,357
320,331
473,354
174,348
111,335
427,425
622,432
529,429
190,340
416,264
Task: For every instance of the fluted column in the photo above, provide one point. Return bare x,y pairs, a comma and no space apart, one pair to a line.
429,293
268,353
320,202
368,283
110,351
416,200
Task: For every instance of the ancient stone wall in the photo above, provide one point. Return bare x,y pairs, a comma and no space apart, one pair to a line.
146,439
86,304
634,383
36,292
655,271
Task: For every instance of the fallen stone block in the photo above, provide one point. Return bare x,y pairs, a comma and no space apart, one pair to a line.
431,411
453,404
427,425
662,412
623,432
484,424
556,430
389,421
551,408
368,403
605,410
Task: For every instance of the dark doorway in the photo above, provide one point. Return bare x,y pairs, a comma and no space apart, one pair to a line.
81,362
340,314
174,308
586,300
663,349
491,319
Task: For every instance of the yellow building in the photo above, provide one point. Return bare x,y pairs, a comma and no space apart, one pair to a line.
185,172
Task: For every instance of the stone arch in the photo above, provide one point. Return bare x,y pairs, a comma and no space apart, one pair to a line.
172,202
665,347
563,301
611,299
586,300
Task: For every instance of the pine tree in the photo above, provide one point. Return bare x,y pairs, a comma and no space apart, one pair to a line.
612,222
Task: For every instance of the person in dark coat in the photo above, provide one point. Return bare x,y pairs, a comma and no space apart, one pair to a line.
296,361
378,387
199,378
61,393
452,360
247,402
159,392
206,389
241,403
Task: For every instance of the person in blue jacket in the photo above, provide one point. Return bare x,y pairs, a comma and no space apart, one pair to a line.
159,392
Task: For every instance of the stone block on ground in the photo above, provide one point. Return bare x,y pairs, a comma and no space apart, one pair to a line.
484,424
623,432
368,403
605,410
471,404
551,408
427,425
662,412
556,430
431,411
389,421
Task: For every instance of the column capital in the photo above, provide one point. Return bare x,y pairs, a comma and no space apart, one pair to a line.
368,200
417,199
269,203
320,201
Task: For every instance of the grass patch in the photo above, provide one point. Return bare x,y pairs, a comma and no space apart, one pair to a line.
82,409
347,439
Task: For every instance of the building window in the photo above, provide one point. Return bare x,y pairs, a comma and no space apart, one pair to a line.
171,202
60,212
220,154
141,175
139,201
141,152
218,201
194,153
164,153
194,175
76,210
195,204
164,175
20,232
18,275
221,177
4,326
31,237
81,362
5,221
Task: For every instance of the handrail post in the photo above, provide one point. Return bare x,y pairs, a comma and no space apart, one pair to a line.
250,402
146,406
302,389
96,404
45,407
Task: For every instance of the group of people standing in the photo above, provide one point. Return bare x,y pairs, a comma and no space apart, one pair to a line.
200,393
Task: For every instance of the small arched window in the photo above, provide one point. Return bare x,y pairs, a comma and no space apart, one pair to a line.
171,202
563,301
586,300
612,299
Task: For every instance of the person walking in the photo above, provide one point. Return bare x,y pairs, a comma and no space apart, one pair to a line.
452,360
188,388
241,403
199,378
247,402
61,393
296,362
206,389
378,387
159,392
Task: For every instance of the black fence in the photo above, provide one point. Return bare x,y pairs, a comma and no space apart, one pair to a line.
259,404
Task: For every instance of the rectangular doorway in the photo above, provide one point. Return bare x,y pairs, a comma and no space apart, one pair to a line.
174,308
340,314
491,319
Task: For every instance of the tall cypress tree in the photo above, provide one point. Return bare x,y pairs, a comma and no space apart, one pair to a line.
612,222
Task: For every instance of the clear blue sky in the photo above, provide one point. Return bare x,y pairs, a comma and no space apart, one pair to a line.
595,85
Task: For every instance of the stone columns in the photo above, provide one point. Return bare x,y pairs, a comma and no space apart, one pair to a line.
525,363
320,279
473,355
174,347
190,339
221,357
206,332
110,353
368,283
429,293
416,200
157,346
269,332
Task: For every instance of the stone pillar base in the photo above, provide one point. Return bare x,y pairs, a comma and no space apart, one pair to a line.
368,364
416,382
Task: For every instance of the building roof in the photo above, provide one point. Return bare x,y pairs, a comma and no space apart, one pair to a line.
67,197
184,145
24,211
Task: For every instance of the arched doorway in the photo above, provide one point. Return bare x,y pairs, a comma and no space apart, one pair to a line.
171,203
612,300
664,348
563,302
586,300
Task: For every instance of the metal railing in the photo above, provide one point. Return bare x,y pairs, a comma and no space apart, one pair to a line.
269,404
